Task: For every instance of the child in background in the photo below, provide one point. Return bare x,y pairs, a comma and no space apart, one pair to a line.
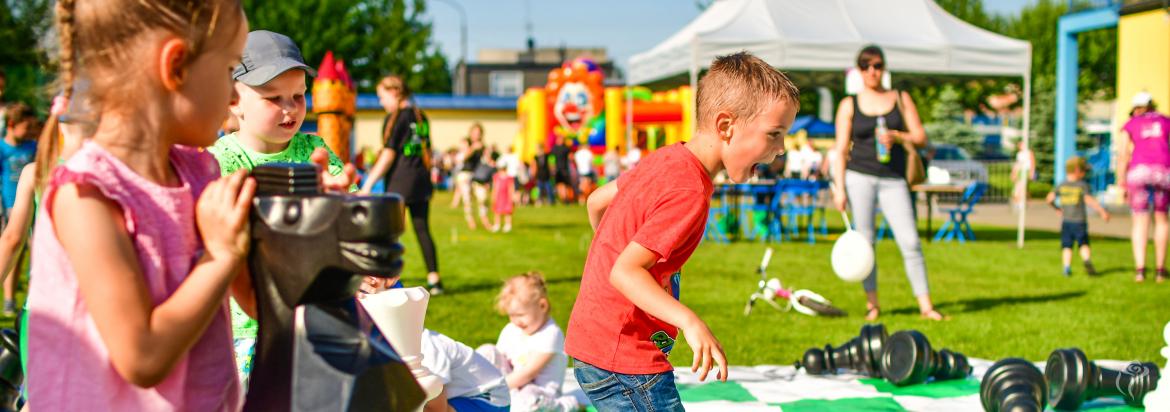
586,177
470,382
144,326
3,104
627,314
17,149
531,349
269,110
503,193
613,165
28,196
1073,194
542,170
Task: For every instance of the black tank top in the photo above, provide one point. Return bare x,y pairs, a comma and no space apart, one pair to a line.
863,154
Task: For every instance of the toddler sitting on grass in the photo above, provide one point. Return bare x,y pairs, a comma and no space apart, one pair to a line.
531,349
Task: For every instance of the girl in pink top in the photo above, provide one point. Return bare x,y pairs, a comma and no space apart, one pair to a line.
1145,157
137,242
129,311
503,192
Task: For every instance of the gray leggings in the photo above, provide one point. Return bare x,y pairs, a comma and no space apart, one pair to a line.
893,196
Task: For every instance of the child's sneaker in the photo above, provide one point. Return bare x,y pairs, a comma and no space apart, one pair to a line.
1141,275
9,308
1089,269
1161,275
507,228
1067,272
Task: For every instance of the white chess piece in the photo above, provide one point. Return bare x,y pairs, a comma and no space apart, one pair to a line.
399,313
1159,399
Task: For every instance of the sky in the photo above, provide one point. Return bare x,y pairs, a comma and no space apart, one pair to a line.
623,27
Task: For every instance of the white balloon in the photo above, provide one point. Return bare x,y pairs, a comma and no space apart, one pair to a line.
852,257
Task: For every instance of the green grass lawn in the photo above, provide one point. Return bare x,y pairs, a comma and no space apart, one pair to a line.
1003,301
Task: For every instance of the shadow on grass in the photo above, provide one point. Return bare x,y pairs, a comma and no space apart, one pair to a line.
545,226
996,234
982,304
456,288
1111,271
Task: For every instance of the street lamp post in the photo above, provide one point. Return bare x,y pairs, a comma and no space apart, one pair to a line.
462,44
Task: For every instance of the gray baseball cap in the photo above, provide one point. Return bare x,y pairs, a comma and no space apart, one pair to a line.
267,55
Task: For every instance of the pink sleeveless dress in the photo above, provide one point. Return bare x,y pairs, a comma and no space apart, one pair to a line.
69,365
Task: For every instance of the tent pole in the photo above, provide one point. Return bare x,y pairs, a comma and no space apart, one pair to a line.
694,79
630,137
1023,177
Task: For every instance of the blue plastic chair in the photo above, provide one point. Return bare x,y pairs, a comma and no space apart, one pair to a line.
776,212
799,202
883,230
714,213
958,226
750,206
822,188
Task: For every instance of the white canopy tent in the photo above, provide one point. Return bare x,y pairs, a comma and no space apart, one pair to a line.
825,35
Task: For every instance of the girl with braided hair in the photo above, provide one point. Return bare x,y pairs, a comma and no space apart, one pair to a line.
138,241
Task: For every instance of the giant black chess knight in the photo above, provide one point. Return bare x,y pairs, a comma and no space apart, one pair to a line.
318,349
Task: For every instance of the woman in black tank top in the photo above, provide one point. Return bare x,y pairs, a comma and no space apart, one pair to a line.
870,171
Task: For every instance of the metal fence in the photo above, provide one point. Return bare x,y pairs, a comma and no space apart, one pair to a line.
998,177
999,180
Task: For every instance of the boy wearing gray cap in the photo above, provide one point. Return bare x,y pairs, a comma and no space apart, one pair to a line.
270,107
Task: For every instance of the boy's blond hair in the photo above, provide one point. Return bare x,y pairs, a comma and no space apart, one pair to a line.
528,286
1076,164
742,84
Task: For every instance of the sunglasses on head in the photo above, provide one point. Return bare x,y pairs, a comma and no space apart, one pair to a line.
878,66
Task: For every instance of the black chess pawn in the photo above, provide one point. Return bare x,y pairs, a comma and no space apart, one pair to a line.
1013,385
861,354
1073,379
908,359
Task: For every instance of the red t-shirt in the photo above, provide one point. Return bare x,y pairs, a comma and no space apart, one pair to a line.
662,205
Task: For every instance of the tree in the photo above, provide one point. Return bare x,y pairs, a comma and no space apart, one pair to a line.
973,12
374,37
22,57
948,126
22,23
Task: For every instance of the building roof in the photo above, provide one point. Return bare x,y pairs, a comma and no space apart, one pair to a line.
369,101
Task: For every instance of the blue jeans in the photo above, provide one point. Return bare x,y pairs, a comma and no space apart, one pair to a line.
547,190
474,404
609,391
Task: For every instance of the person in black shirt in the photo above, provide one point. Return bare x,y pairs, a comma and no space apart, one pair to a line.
871,129
543,175
561,174
405,164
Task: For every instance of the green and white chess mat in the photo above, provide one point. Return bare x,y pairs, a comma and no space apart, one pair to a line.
783,388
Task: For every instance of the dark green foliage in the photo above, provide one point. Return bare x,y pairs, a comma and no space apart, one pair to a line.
23,25
374,37
948,126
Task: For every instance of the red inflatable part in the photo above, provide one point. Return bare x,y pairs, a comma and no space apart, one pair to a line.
657,112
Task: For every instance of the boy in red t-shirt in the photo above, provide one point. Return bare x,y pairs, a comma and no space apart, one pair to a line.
648,223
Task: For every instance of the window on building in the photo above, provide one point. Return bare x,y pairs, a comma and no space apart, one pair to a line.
506,83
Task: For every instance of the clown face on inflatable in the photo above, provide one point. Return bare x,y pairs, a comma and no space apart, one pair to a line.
573,106
575,93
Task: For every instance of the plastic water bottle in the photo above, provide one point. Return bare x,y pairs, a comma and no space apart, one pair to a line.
883,152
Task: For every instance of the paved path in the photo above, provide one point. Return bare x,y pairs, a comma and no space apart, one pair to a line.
1040,217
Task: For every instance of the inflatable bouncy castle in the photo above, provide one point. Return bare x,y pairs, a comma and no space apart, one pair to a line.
334,102
575,105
